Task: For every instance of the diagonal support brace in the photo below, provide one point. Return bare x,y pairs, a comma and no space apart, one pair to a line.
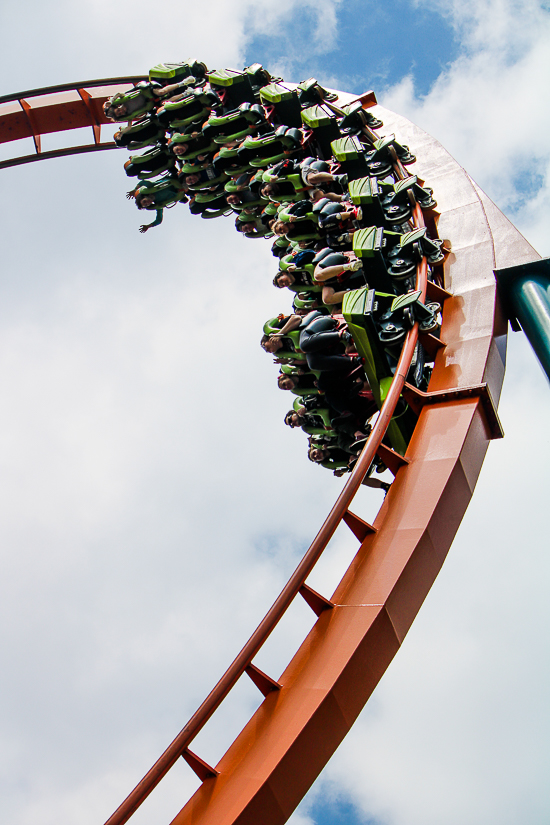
317,602
27,108
96,125
201,768
358,527
263,682
437,293
431,343
391,459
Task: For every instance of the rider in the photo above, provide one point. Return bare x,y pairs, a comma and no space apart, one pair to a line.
156,197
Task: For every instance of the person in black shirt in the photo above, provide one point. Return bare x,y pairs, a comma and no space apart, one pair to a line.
292,276
297,381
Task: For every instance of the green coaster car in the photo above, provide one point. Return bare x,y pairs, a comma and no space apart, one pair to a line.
209,183
368,246
145,132
274,325
388,204
356,118
323,413
166,192
310,302
304,227
405,251
300,288
396,202
310,92
261,152
138,101
209,205
259,77
293,371
350,154
260,229
360,308
236,125
390,258
283,103
168,73
291,187
233,87
228,160
195,144
287,260
150,163
195,107
367,193
324,125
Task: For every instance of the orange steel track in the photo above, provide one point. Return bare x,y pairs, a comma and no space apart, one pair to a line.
38,112
307,712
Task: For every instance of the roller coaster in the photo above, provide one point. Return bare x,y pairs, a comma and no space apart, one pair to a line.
308,710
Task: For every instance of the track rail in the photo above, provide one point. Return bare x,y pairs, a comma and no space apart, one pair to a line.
61,108
339,512
309,709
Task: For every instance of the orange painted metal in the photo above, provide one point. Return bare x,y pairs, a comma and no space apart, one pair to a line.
307,712
273,762
317,602
293,586
263,682
92,105
393,461
59,153
358,527
61,108
30,122
339,512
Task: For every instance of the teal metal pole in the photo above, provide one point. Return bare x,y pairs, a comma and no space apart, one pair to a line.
525,291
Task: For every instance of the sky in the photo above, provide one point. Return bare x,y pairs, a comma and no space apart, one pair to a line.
152,503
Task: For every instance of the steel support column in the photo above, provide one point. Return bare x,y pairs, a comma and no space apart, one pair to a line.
525,291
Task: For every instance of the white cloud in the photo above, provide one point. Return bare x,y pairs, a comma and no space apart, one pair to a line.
102,39
142,458
142,455
487,108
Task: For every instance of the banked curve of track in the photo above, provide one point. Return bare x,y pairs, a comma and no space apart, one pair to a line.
310,708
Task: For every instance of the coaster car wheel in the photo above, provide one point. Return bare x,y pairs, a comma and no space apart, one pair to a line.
379,168
373,122
401,267
397,214
408,315
405,155
433,323
391,333
425,198
436,258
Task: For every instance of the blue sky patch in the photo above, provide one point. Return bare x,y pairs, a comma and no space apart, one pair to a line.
527,182
338,811
376,46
